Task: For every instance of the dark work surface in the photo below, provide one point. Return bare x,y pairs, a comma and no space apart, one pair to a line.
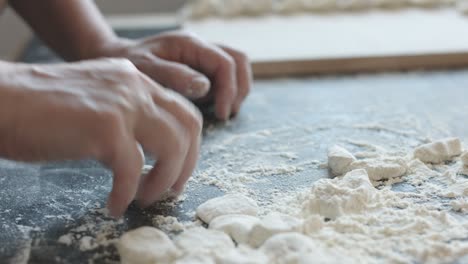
41,202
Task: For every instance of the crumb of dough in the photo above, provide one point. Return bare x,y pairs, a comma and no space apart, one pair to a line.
237,226
439,151
339,160
227,204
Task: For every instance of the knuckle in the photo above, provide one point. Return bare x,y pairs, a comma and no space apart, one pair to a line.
195,122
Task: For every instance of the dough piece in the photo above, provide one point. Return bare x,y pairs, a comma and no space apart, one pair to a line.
146,245
272,224
339,160
146,169
242,255
196,259
381,168
313,224
203,241
462,6
333,198
464,159
439,151
238,227
288,247
227,204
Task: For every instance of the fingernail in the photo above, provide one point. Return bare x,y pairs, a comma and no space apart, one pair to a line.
199,87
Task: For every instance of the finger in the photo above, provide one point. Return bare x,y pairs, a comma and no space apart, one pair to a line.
212,61
126,165
176,76
170,149
244,76
190,164
193,121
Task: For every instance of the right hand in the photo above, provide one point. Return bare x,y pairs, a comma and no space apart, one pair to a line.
100,109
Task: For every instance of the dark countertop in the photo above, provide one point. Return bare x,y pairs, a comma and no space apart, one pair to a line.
41,202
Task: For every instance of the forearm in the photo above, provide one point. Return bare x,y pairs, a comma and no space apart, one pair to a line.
75,29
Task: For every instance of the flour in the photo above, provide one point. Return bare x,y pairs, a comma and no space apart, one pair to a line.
358,217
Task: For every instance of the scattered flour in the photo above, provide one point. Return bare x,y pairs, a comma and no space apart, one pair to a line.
420,218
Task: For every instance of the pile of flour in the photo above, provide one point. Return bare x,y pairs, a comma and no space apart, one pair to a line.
379,208
198,9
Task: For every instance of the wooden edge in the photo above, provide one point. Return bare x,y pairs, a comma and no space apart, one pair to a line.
271,69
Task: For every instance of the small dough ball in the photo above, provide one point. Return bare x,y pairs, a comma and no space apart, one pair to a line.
227,204
339,160
272,224
146,245
203,241
288,247
439,151
238,227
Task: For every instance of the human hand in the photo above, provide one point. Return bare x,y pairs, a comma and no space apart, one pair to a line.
100,109
190,66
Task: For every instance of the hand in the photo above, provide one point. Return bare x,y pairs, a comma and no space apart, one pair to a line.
190,66
100,109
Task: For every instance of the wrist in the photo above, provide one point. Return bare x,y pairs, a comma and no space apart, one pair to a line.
115,47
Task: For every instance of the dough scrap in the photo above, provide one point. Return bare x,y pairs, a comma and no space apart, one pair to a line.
238,227
225,205
464,159
242,255
439,151
272,224
287,248
332,198
339,160
146,245
199,240
381,168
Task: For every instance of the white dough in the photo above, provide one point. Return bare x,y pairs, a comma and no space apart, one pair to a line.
439,151
146,245
196,259
287,248
332,198
381,168
238,227
242,255
339,160
227,204
272,224
203,241
464,158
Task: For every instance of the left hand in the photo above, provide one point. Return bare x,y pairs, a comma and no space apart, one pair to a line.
192,67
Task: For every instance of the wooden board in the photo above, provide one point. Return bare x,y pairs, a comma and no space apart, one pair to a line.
344,42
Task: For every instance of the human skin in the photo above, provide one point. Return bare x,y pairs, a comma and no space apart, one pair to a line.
100,109
177,60
104,109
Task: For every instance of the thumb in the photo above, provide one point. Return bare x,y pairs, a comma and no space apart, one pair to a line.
176,76
126,166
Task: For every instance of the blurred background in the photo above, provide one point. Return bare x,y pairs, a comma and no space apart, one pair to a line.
18,33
